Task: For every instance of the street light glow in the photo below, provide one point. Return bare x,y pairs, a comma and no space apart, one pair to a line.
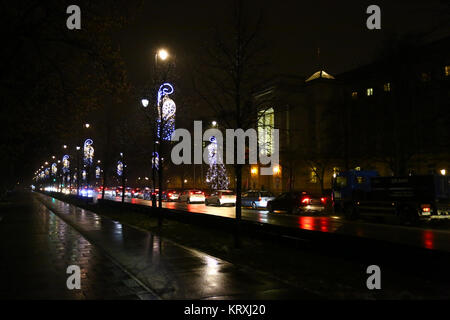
214,123
87,125
443,172
163,54
145,102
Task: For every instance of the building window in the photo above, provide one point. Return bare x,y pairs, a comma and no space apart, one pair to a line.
447,71
369,92
387,87
266,123
354,94
314,175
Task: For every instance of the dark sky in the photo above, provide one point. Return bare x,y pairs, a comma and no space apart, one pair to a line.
293,30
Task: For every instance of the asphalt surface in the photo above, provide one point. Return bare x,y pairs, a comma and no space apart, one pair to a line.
428,236
170,270
36,247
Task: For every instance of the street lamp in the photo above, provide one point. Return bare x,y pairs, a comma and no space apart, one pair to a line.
163,54
145,102
87,125
214,123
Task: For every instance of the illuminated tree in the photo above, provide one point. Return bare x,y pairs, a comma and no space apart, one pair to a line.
216,176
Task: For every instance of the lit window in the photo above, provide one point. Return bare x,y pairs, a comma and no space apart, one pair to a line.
447,71
387,87
369,92
266,124
314,175
354,94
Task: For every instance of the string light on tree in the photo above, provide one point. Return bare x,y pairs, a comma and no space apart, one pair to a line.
216,176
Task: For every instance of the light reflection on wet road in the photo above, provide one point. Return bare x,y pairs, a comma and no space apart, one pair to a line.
424,236
170,270
36,247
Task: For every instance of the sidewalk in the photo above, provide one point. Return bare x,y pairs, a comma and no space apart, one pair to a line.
36,247
170,270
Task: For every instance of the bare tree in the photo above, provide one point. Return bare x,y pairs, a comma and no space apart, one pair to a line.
228,76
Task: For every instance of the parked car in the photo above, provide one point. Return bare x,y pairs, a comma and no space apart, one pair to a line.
256,199
221,197
297,202
191,196
170,195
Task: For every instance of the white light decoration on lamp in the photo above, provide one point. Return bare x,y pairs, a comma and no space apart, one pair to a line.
119,168
54,168
155,160
83,174
168,110
66,163
97,172
88,152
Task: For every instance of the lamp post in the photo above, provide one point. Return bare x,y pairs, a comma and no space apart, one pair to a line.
158,131
78,170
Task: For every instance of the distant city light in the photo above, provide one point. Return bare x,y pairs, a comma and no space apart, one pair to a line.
276,169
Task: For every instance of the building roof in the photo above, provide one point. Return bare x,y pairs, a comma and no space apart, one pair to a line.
319,74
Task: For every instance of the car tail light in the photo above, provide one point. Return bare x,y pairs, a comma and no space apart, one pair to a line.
170,194
306,200
426,208
191,193
323,200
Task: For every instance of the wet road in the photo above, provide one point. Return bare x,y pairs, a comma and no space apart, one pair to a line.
36,247
171,271
425,236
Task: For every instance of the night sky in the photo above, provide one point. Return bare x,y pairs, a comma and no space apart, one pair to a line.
293,30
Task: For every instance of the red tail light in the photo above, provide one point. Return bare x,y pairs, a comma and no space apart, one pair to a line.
191,193
170,194
306,200
323,200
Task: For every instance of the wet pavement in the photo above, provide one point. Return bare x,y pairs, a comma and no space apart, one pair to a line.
425,236
36,247
169,270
